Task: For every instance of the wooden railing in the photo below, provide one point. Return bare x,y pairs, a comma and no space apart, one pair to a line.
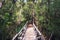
36,29
24,27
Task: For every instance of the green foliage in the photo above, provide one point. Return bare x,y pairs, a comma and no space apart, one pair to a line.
46,15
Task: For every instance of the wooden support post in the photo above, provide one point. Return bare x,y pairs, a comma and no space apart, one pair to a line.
33,19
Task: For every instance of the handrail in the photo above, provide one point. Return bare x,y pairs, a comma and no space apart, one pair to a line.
37,29
19,31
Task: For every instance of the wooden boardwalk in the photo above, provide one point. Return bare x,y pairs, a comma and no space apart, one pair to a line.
31,33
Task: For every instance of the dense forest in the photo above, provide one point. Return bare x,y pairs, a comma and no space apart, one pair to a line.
15,13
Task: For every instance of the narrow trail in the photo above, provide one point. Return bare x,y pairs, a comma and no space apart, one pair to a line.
30,34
